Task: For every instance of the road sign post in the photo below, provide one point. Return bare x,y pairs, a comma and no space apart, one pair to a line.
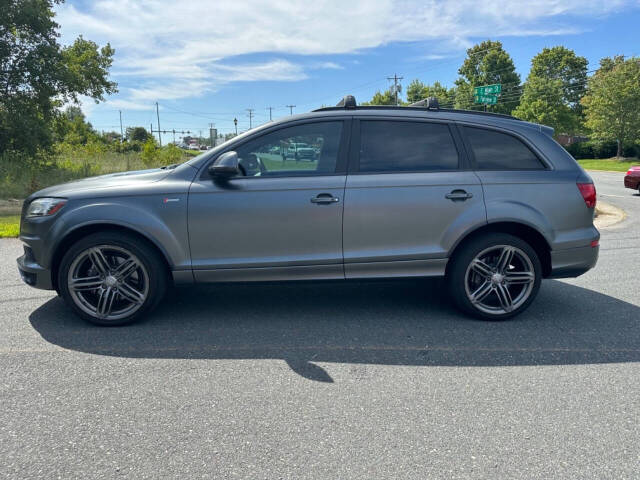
494,89
487,94
486,99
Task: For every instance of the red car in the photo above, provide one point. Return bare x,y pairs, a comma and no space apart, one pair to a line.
632,178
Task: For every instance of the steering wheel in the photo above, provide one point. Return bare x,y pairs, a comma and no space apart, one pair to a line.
251,165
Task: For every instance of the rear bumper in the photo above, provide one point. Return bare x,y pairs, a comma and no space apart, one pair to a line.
573,262
32,273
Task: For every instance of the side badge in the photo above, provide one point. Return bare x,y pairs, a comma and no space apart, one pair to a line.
170,200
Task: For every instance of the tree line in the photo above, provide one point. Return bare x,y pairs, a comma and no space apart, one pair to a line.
558,92
41,81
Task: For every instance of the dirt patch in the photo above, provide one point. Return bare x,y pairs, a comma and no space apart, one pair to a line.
607,215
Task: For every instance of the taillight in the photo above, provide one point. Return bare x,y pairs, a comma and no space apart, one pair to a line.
588,191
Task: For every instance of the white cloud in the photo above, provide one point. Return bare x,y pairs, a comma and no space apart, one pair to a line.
186,49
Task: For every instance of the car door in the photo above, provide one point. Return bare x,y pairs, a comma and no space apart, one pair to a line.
409,197
280,218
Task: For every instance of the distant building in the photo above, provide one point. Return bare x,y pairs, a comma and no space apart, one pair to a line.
565,140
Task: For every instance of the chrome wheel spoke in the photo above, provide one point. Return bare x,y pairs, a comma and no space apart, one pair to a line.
519,278
504,296
105,302
129,293
481,292
125,269
99,261
481,268
86,283
506,257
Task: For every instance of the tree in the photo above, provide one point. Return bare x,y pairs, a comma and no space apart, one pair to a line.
543,102
417,91
488,63
137,134
388,97
71,127
560,63
612,102
554,87
38,75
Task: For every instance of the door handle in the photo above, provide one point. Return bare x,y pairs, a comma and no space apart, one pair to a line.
325,198
456,195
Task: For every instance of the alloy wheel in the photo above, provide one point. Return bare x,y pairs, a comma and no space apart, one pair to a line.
108,282
499,279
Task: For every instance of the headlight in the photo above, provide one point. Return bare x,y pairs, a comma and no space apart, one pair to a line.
43,207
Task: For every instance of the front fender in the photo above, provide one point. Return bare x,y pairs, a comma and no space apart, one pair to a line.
164,224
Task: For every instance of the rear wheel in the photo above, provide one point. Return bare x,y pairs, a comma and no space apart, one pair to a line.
495,276
111,278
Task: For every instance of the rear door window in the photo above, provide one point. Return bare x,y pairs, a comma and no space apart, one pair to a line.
404,146
500,151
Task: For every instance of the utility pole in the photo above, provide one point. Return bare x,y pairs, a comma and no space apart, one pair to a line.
270,108
250,110
121,132
158,114
211,127
290,107
235,123
395,79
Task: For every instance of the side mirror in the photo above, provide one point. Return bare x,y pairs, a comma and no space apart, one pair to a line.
225,166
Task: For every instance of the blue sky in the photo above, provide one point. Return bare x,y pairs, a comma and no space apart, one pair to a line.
207,61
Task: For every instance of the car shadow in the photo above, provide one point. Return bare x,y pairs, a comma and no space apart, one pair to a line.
390,323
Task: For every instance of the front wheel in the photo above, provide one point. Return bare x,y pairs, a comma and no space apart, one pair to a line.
111,278
495,276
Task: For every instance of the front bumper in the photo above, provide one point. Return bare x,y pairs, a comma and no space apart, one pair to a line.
573,262
32,273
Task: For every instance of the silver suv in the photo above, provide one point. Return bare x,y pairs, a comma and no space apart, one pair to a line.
492,203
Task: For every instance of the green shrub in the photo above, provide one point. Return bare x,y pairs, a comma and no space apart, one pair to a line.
149,154
170,155
593,149
581,150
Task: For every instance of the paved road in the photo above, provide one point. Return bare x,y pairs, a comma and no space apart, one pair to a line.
367,380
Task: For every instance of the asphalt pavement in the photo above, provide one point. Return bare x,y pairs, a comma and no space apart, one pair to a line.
331,380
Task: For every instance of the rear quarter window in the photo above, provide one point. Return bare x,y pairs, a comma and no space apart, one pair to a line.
500,151
406,146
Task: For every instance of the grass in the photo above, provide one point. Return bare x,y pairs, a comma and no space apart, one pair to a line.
9,226
18,180
609,164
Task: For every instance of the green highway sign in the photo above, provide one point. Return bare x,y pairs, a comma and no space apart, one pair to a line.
486,99
488,89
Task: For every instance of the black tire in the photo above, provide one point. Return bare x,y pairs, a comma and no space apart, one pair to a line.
156,276
461,262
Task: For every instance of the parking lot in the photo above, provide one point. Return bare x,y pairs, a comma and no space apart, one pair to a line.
331,380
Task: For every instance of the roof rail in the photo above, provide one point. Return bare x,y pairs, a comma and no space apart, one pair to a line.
430,103
347,102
